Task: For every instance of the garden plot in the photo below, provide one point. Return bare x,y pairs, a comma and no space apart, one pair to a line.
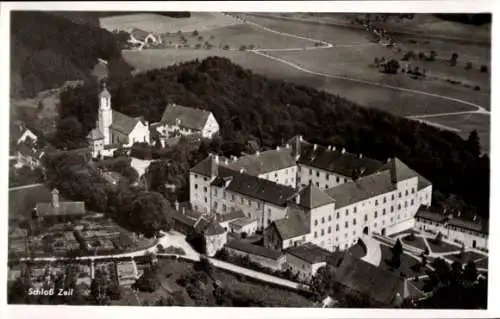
407,266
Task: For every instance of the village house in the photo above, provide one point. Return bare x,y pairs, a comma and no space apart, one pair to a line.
305,260
266,257
247,226
114,129
140,38
178,120
342,195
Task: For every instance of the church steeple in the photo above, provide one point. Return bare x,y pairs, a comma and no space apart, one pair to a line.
105,114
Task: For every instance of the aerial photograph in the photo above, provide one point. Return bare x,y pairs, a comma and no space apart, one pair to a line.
249,159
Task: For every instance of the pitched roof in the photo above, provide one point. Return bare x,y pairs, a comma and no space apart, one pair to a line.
22,200
254,249
232,215
310,253
241,222
363,188
295,224
378,284
335,161
399,170
139,34
208,167
123,123
481,227
212,228
312,197
423,213
189,117
95,134
264,162
65,208
257,188
423,182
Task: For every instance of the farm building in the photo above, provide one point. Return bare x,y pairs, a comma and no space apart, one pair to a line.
59,208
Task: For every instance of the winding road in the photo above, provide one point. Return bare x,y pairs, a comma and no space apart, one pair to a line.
321,44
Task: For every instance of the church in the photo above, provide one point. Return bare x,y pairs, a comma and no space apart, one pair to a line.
114,129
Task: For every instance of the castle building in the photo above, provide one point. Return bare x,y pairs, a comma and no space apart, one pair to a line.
115,129
304,192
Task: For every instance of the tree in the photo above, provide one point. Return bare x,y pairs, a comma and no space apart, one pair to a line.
468,66
323,283
98,288
397,250
195,33
483,69
225,47
453,59
474,144
391,66
200,38
243,48
148,281
69,133
470,272
438,239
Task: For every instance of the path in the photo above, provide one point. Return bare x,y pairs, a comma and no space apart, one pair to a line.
25,186
326,45
373,251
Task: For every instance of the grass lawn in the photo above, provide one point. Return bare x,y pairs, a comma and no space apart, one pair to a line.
442,248
160,24
406,263
417,242
22,200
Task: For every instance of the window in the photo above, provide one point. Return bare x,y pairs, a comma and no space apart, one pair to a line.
329,218
376,214
385,200
224,207
345,180
399,195
376,202
326,186
399,206
406,193
392,209
338,215
315,235
327,176
206,200
205,179
215,204
329,229
322,220
366,218
269,211
275,174
310,171
347,212
195,186
412,202
392,219
317,184
406,204
383,212
392,196
345,236
346,224
315,222
322,232
355,209
232,197
215,192
337,227
354,221
258,204
317,174
338,179
413,190
375,225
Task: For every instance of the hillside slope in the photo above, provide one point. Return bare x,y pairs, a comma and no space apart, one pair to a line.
47,50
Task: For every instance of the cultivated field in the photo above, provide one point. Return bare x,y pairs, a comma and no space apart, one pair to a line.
156,23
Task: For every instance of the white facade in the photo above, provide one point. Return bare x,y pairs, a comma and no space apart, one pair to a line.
276,264
139,134
319,177
214,243
199,190
286,176
211,127
305,269
470,238
27,134
105,116
323,226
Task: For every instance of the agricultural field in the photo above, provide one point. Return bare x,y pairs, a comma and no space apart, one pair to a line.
156,23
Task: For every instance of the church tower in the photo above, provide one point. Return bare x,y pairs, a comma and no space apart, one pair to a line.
105,114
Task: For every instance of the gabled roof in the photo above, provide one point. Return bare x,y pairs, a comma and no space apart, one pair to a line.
363,188
124,123
312,197
241,222
65,208
264,162
257,188
95,134
425,214
212,228
254,249
309,253
208,167
232,215
189,117
345,164
293,225
423,182
376,283
399,170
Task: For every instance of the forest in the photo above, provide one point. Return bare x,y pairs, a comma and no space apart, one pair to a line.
47,50
251,107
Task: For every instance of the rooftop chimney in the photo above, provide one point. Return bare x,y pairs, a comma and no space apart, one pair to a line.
474,219
287,145
55,197
183,210
388,160
343,150
242,170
